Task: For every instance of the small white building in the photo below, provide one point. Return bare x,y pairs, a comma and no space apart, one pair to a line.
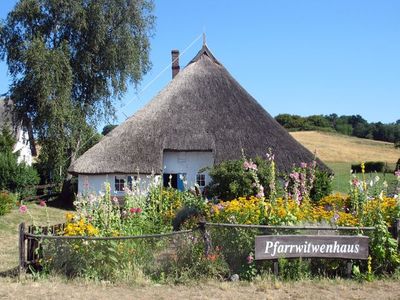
201,118
23,146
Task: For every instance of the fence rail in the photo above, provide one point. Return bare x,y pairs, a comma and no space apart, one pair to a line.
285,227
44,191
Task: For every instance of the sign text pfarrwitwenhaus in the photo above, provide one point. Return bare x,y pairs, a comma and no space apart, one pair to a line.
324,246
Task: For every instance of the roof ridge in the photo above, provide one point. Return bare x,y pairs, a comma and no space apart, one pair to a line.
204,51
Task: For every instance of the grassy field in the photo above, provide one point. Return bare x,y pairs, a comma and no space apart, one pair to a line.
342,177
333,147
340,151
9,230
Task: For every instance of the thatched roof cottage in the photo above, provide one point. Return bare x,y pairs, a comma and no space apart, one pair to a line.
202,117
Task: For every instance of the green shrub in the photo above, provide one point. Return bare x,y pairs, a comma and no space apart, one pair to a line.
7,201
14,177
17,178
229,180
322,186
370,166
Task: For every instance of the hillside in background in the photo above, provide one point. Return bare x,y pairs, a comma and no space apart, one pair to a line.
353,125
340,151
333,147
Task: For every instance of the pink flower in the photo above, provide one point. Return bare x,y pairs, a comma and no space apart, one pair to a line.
303,165
294,176
397,173
249,165
132,210
355,182
250,259
42,203
260,194
23,209
138,210
115,200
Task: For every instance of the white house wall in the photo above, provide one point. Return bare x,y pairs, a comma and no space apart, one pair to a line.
24,148
95,183
188,163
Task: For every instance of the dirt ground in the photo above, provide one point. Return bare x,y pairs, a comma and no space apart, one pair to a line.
323,289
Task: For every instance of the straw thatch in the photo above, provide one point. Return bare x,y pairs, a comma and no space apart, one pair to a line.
202,109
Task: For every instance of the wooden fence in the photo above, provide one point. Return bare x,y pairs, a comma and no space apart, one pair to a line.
31,236
44,191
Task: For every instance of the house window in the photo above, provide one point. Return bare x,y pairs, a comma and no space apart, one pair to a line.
119,183
201,180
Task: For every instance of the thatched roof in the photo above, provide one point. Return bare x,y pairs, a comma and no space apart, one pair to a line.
202,108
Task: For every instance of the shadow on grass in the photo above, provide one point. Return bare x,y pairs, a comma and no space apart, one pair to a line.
14,272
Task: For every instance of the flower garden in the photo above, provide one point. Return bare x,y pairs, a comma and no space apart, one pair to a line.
154,209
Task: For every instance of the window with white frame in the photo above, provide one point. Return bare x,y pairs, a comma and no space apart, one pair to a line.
119,183
201,180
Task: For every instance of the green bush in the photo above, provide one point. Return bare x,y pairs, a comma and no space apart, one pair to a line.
15,177
7,201
370,166
229,180
322,185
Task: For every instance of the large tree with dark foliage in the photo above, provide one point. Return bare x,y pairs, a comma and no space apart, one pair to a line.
70,60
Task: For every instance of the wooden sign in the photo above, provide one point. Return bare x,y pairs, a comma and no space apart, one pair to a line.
324,246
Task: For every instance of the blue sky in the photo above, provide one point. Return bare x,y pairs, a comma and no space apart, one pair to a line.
299,57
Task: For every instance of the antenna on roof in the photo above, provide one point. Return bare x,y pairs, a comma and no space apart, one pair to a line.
204,37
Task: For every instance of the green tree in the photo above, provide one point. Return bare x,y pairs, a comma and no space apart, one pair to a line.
14,177
108,128
70,60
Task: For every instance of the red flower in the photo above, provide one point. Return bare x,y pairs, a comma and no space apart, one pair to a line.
133,210
138,210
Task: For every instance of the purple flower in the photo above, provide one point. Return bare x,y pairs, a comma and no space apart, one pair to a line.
397,173
335,218
303,165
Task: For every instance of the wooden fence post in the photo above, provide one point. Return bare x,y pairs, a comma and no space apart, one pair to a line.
276,268
206,238
396,230
22,256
